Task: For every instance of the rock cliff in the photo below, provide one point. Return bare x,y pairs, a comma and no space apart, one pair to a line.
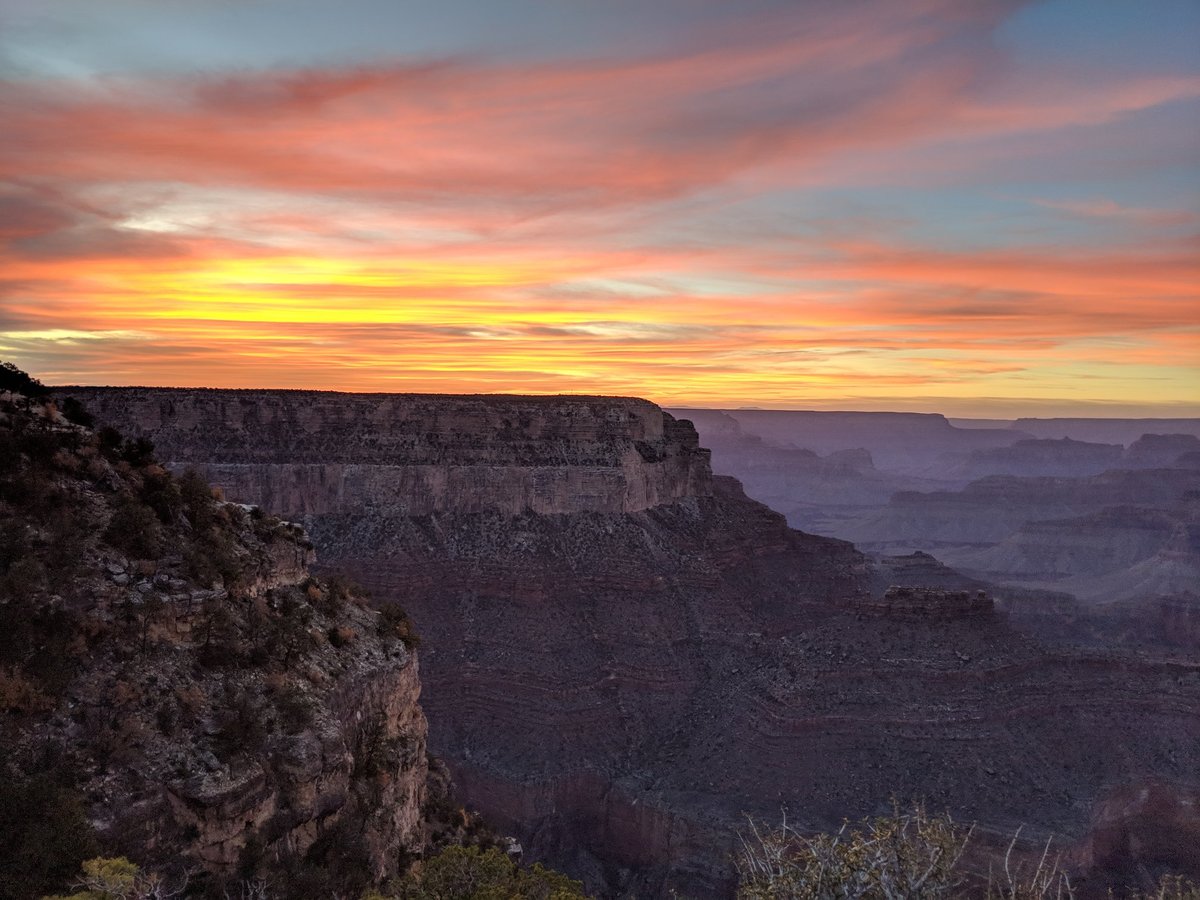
304,453
221,712
619,677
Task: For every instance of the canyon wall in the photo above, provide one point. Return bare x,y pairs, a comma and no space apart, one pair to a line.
618,679
309,453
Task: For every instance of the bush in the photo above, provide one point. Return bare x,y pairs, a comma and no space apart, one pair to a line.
162,494
468,873
74,411
197,496
45,835
134,530
393,620
243,727
1042,881
109,441
912,856
1171,887
19,695
138,452
40,641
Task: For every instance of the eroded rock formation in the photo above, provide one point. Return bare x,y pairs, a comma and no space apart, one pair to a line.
619,677
167,654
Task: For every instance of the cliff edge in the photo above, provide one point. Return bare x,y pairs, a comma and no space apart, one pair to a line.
167,658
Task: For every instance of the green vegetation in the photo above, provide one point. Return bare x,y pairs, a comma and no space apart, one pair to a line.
44,835
117,878
470,873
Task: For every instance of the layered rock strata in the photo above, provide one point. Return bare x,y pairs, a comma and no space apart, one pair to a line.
619,678
308,454
221,712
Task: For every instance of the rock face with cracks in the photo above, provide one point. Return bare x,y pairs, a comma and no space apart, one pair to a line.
222,713
623,654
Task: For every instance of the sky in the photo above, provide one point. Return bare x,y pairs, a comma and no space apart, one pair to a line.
976,207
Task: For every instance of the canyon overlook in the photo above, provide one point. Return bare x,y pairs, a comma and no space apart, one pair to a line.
623,654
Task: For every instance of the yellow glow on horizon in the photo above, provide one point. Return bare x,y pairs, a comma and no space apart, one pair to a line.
532,322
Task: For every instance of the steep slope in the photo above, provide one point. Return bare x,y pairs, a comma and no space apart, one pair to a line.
625,654
168,657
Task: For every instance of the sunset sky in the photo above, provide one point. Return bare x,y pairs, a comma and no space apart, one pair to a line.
978,208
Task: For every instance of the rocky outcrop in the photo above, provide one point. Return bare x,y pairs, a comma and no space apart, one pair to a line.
1061,458
220,711
617,683
928,604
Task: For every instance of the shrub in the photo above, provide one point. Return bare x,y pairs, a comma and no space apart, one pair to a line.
161,494
393,620
14,543
109,441
1042,881
468,873
118,879
45,835
138,452
134,530
41,446
1171,887
19,695
74,411
41,641
912,856
290,635
243,727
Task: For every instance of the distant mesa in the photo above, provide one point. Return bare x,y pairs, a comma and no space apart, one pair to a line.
1154,450
929,604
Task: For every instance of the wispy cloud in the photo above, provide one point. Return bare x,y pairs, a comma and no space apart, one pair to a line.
1108,209
501,223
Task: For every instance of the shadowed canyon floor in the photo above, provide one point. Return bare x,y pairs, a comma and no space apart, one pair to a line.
622,654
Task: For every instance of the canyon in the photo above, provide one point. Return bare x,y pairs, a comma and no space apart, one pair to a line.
623,655
1031,505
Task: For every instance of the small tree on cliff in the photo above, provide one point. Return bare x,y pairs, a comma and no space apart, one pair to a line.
16,381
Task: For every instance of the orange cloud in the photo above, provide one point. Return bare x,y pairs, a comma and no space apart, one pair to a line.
471,225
